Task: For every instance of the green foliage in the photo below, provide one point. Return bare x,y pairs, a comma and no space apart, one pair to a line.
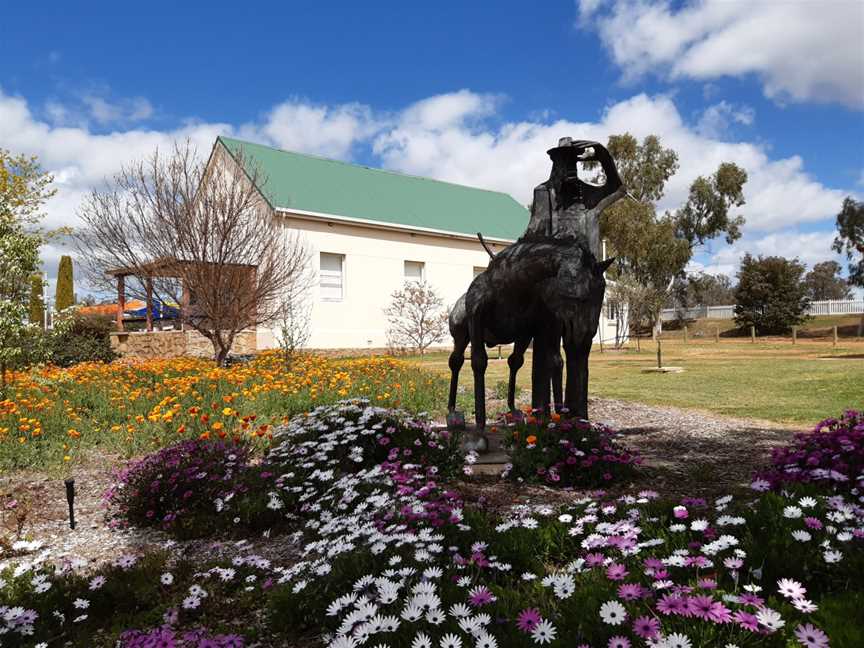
824,282
565,452
195,488
37,305
702,289
653,249
850,236
64,295
80,338
770,294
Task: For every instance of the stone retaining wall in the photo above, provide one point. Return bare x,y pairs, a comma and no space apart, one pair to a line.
174,344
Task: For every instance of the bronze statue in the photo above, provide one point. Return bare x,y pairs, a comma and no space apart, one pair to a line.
546,287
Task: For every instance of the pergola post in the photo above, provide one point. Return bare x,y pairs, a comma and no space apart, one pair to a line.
148,283
184,305
121,300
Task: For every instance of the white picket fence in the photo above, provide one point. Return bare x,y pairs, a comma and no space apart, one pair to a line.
827,307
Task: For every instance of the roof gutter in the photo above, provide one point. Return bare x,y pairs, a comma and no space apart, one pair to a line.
319,216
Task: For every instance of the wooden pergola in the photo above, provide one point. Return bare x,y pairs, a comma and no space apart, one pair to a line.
165,268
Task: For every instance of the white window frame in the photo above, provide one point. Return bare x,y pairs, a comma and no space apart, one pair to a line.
331,273
422,265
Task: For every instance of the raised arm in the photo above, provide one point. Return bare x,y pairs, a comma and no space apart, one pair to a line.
598,198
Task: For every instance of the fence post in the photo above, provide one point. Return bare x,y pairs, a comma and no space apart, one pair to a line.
659,354
794,334
717,334
685,334
753,334
835,335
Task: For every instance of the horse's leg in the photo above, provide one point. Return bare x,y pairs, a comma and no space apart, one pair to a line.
457,359
479,361
540,375
515,362
557,371
577,351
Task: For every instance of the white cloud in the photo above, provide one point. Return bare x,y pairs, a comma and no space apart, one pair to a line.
456,137
512,157
801,51
300,126
104,111
717,118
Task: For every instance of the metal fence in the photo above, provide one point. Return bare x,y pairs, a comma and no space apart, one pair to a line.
827,307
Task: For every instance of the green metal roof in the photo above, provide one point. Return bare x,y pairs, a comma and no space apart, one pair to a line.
315,184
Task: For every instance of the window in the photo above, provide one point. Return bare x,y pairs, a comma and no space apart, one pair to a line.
414,270
610,311
332,276
478,270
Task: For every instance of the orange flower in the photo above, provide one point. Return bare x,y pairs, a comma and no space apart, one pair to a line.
531,439
204,436
181,429
556,417
217,425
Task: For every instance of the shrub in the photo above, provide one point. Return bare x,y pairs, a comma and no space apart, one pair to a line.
833,454
195,487
563,452
80,338
356,436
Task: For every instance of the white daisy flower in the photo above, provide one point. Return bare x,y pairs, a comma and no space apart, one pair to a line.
613,613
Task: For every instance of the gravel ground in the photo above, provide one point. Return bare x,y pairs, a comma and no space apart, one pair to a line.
685,452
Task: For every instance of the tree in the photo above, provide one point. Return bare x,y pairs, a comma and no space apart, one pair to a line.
294,328
416,317
37,301
850,238
64,293
770,294
655,248
24,187
824,282
202,235
701,289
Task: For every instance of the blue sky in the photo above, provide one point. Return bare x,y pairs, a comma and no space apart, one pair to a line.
468,92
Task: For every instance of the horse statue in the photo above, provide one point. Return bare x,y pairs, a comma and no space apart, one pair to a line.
546,287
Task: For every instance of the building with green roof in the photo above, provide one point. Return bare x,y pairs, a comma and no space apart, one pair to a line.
369,231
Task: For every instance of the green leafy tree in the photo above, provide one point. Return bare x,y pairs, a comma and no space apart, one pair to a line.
850,239
64,295
24,187
771,294
701,289
824,282
654,248
37,303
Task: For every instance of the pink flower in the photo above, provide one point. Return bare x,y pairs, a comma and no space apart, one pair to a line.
813,523
630,591
616,572
646,627
811,636
746,620
680,513
619,642
672,604
528,619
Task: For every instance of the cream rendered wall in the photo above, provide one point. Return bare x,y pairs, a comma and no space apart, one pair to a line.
373,269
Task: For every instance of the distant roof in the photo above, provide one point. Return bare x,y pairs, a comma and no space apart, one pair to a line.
307,183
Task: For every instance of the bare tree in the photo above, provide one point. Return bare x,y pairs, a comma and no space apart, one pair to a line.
294,327
416,317
198,234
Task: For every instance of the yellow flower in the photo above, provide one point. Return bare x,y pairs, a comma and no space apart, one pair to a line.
66,458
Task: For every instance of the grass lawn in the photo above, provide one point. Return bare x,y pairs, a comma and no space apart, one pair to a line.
771,379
